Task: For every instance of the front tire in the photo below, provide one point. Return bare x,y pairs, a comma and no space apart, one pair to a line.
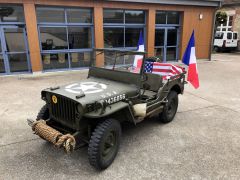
170,109
104,144
43,113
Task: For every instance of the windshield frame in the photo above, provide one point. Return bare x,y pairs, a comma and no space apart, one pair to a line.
118,53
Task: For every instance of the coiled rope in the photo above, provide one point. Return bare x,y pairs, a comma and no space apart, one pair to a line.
46,132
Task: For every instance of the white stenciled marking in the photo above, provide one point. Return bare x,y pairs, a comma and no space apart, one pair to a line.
86,87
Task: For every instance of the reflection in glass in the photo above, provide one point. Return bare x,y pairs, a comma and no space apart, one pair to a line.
171,54
55,61
11,13
55,15
18,62
113,37
173,18
79,15
132,36
172,37
14,39
79,37
2,69
112,16
53,38
159,52
80,59
134,17
159,37
161,18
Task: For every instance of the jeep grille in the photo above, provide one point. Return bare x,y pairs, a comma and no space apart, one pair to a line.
64,110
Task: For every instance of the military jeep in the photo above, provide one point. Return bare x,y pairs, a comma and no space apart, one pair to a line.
92,111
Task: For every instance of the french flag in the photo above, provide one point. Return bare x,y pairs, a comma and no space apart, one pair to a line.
190,60
139,58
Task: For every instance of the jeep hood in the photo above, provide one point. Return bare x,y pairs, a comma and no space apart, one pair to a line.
93,89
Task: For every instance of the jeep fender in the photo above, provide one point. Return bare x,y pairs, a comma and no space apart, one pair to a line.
120,108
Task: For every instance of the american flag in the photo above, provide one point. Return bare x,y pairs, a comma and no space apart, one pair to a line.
164,69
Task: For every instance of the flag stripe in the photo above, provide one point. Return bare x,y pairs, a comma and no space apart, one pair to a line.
164,69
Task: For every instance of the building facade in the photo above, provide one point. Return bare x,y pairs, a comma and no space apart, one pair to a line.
232,9
40,35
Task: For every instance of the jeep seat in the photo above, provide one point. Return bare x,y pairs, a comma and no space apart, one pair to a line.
154,81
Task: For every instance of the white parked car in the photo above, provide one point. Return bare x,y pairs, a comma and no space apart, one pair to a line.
225,41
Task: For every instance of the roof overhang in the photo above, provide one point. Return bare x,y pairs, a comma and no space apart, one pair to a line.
211,3
231,4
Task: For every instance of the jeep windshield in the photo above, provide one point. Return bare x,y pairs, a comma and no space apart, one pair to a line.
119,60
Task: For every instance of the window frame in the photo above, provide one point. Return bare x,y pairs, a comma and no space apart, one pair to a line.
66,24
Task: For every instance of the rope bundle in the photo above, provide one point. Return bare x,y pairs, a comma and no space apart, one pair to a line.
58,139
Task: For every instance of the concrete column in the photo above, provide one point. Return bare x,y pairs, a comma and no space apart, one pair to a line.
32,34
151,18
98,33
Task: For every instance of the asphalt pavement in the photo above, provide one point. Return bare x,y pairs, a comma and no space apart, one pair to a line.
203,141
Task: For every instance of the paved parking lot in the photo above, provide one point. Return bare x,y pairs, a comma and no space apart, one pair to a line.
202,142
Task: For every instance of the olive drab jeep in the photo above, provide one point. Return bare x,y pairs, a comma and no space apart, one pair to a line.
91,111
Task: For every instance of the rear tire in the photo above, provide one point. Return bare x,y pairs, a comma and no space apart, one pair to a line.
170,109
43,113
104,144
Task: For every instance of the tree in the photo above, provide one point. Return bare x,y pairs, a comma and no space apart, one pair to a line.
221,18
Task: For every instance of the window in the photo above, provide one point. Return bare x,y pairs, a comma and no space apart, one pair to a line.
173,18
159,37
113,37
219,35
235,36
132,36
66,37
79,16
163,17
229,35
230,23
113,16
53,38
134,17
79,37
122,28
50,15
11,13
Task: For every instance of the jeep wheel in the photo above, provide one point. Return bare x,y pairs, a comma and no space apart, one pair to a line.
104,144
43,113
170,109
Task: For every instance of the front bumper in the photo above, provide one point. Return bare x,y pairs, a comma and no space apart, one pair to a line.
40,128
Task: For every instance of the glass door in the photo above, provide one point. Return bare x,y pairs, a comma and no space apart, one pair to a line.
166,43
14,49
